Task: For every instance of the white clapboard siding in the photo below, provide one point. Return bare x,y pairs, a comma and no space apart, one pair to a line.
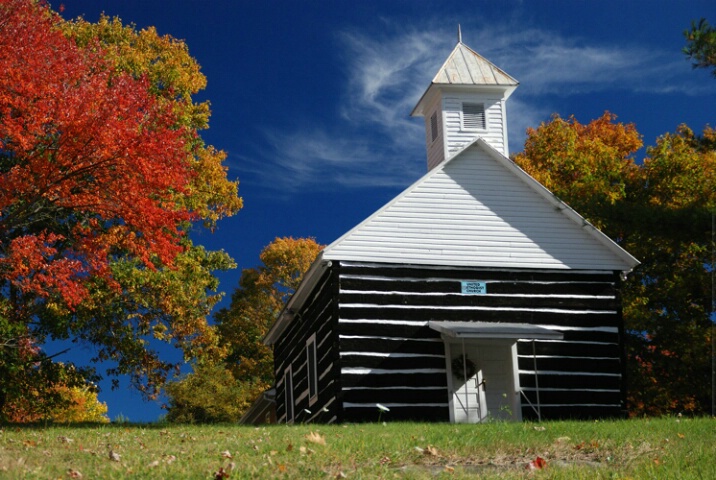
456,137
479,210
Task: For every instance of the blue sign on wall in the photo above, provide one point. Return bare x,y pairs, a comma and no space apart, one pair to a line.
474,288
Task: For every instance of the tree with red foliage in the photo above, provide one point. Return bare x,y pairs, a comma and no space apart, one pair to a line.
99,175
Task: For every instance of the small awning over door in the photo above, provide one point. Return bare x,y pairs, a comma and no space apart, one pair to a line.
488,330
499,331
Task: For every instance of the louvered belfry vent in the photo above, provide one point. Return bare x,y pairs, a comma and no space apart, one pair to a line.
473,116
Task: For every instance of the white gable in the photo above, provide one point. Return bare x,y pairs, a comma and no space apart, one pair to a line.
479,209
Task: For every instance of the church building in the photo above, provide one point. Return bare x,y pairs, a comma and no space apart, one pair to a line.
475,294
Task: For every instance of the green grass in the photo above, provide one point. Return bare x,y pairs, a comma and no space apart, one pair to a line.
647,448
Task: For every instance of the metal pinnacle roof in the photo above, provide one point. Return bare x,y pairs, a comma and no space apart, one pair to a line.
464,66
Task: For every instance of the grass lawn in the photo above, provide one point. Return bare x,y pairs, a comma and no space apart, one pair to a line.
647,448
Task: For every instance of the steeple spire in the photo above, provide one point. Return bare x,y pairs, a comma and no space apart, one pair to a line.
465,101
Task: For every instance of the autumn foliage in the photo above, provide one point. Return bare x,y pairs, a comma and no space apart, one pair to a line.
659,209
102,175
257,302
591,165
69,405
224,391
90,162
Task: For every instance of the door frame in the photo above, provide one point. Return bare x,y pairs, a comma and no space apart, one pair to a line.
455,348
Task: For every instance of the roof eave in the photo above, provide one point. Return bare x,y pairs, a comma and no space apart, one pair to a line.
297,300
630,262
430,92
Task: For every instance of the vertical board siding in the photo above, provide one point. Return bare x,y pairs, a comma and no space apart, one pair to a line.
389,355
316,315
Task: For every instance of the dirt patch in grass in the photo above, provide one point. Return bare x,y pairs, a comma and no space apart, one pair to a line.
563,454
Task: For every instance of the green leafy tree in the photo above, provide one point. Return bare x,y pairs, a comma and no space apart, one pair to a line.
658,210
210,394
255,306
701,45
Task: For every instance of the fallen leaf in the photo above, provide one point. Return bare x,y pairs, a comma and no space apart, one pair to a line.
64,439
114,456
289,447
430,450
169,458
540,429
681,435
384,460
449,469
221,474
74,473
226,454
315,437
153,464
281,468
537,463
341,475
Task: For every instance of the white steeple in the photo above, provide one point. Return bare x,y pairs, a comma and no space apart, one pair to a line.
465,100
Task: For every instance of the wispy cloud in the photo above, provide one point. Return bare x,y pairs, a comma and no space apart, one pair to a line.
388,75
373,142
547,63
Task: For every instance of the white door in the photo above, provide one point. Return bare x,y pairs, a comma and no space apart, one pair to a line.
469,402
483,382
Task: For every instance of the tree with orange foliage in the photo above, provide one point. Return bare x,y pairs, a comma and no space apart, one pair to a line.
65,404
658,210
247,369
590,166
102,175
257,302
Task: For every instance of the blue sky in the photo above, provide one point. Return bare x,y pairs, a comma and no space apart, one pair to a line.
311,99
